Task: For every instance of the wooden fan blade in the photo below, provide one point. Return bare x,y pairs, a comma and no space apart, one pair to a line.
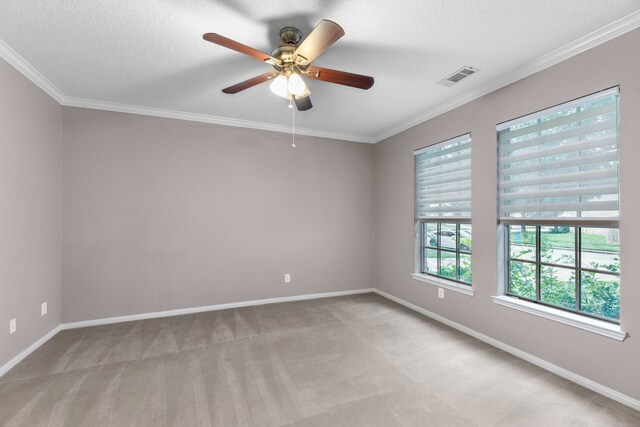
249,83
340,77
303,104
324,35
239,47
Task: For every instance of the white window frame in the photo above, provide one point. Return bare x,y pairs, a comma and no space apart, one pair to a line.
571,318
448,218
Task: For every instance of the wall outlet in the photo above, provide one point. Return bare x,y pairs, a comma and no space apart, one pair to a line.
43,308
287,278
440,293
12,326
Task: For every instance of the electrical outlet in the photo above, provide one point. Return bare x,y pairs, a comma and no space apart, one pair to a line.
12,326
43,308
440,293
287,278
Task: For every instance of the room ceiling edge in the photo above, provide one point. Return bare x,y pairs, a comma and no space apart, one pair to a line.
595,38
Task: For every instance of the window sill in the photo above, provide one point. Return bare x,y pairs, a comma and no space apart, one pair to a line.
444,283
596,326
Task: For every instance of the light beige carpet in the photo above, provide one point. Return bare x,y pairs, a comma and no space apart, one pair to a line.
349,361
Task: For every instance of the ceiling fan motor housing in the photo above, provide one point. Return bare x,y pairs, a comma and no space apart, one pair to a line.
284,53
290,35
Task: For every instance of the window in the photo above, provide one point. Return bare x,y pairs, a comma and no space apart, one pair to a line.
446,250
572,268
558,205
443,210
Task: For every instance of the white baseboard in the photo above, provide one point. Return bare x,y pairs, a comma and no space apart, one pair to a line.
27,351
564,373
190,310
571,376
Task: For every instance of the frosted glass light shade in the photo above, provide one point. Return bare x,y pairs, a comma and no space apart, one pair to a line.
296,86
279,86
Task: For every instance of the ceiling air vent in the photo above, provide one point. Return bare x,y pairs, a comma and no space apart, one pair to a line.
454,78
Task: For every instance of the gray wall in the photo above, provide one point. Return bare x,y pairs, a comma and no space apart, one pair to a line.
163,214
29,211
609,362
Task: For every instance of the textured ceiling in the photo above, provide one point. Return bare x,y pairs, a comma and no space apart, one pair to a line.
150,53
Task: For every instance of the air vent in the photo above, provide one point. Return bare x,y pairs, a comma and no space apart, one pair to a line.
454,78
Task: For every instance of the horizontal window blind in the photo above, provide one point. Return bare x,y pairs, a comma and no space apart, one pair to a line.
561,162
443,179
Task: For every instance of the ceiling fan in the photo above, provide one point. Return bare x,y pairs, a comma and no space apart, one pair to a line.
292,60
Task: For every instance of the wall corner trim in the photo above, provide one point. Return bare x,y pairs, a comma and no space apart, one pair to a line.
27,351
30,72
564,373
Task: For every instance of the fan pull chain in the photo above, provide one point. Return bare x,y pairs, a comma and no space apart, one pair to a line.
293,124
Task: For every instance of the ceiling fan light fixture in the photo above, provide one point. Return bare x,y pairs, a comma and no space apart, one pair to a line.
292,59
279,86
296,85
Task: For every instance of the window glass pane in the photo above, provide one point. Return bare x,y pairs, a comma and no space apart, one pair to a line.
448,264
448,236
442,252
558,245
522,242
600,249
465,237
558,286
431,234
601,294
465,268
522,279
430,261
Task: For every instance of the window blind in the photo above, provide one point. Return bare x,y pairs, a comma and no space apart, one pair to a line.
561,162
443,179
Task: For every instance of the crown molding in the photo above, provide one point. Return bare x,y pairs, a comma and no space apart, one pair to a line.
205,118
595,38
27,70
30,72
591,40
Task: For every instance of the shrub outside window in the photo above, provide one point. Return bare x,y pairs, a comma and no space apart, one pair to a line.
572,268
